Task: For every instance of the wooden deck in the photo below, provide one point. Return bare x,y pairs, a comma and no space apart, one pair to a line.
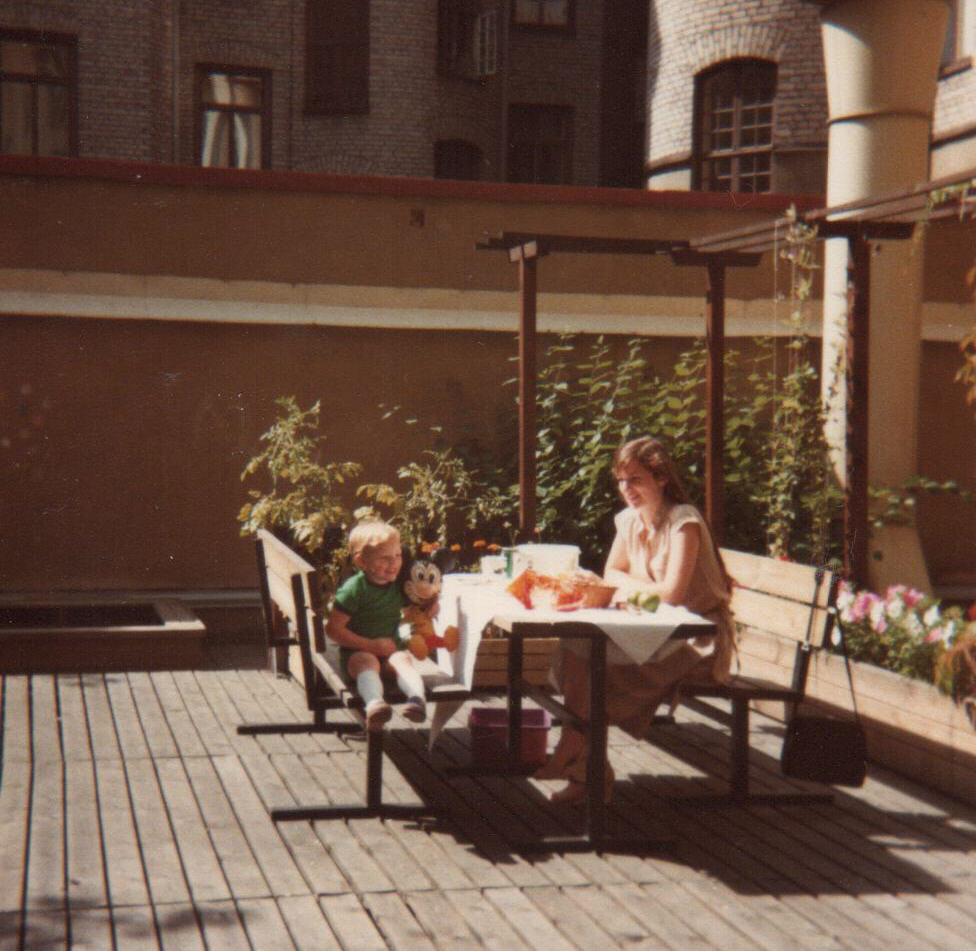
132,817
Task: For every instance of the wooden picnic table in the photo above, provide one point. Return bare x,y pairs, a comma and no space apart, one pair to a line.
477,602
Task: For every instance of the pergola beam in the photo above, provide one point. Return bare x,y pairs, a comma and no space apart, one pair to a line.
525,249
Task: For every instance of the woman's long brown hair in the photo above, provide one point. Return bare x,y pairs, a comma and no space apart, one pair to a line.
650,454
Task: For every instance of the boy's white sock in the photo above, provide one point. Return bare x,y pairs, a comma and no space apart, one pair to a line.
369,686
408,677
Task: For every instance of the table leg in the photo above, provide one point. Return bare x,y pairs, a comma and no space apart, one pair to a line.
516,648
596,812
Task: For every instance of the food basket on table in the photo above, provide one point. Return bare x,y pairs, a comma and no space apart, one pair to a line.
563,592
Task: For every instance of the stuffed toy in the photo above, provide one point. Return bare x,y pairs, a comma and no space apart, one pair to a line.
421,586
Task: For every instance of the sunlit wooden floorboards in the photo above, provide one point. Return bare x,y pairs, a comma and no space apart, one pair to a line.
133,816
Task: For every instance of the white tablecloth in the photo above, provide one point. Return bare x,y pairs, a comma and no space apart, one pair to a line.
471,601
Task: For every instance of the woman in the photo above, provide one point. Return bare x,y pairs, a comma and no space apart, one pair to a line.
663,546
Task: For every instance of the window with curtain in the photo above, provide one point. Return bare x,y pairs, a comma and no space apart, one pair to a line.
38,94
552,14
540,144
456,158
734,126
467,39
234,123
337,57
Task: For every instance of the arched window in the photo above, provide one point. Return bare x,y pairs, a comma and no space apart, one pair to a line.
455,158
734,126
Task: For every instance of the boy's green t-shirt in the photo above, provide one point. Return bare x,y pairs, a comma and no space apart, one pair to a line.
374,610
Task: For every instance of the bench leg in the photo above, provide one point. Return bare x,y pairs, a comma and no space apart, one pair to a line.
739,780
372,807
738,793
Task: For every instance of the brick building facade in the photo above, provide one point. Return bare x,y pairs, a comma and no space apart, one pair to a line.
614,92
138,68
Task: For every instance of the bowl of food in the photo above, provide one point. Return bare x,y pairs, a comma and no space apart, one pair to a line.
564,592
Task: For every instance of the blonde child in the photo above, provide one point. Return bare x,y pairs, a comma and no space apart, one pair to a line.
364,621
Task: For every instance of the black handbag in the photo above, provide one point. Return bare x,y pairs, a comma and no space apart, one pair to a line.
826,749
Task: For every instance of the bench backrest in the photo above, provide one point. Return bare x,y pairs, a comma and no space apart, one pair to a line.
291,597
779,606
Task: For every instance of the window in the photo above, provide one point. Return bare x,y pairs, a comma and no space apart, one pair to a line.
540,144
38,93
234,125
455,158
960,30
549,14
467,39
337,57
734,127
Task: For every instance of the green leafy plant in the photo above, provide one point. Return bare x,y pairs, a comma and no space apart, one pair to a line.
301,498
443,502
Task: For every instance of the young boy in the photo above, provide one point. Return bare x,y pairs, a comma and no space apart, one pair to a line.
364,622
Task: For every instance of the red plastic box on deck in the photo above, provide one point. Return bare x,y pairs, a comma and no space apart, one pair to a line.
489,735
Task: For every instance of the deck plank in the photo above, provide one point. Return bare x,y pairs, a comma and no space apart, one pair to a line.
200,862
15,797
527,920
240,867
291,783
181,725
207,724
45,902
157,843
486,922
91,929
223,929
135,928
351,923
120,840
74,718
155,727
442,921
307,924
274,859
83,836
396,922
112,706
264,924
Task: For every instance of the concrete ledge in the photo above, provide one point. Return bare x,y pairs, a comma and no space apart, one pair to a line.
75,634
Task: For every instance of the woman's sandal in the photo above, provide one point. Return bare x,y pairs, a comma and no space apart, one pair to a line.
575,791
557,768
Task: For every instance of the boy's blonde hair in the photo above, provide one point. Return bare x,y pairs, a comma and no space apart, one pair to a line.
369,534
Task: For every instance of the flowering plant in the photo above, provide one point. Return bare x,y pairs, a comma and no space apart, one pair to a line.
911,633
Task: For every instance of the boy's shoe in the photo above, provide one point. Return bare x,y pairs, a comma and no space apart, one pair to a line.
378,712
415,710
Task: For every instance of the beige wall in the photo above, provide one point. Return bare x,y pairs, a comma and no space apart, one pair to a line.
123,435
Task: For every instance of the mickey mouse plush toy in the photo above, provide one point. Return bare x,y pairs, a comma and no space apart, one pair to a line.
421,586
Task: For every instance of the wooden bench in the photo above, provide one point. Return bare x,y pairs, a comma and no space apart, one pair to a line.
783,612
291,597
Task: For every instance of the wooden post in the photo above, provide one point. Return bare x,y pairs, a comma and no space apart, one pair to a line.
856,539
527,257
715,400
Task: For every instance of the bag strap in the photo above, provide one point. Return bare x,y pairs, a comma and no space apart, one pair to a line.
833,621
847,665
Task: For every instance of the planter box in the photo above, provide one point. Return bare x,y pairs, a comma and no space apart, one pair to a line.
72,634
491,667
912,728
